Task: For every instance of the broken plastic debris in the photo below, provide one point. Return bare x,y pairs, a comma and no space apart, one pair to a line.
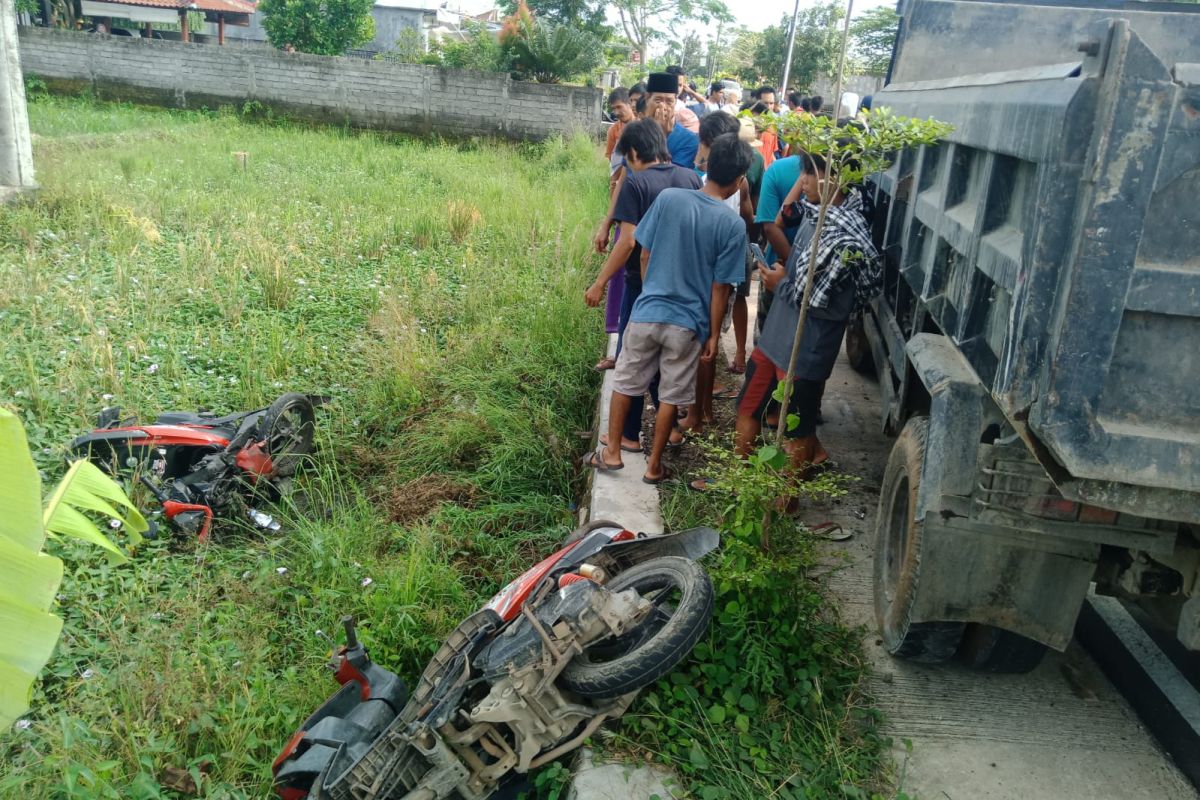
263,520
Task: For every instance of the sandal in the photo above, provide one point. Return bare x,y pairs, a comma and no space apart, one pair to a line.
831,531
604,364
595,460
667,474
682,440
728,393
604,441
701,485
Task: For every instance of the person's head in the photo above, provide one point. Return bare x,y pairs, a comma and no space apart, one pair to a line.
794,101
680,77
639,108
716,93
636,92
729,159
758,107
814,171
619,105
806,105
815,104
662,92
712,127
766,95
866,103
642,143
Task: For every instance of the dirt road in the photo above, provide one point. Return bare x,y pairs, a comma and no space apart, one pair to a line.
1060,733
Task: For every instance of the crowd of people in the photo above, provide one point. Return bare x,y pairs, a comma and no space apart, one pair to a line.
695,187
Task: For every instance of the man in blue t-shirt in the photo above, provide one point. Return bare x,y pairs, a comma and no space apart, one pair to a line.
650,172
777,182
693,251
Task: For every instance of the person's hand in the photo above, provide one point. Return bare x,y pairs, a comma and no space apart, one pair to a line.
772,276
594,295
709,353
600,240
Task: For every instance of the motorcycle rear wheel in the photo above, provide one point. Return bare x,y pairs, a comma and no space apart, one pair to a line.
287,428
682,594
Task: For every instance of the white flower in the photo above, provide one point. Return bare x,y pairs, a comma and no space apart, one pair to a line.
114,523
366,582
23,725
281,570
88,674
153,368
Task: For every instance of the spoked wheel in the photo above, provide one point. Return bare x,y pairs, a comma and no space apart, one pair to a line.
287,429
682,597
899,546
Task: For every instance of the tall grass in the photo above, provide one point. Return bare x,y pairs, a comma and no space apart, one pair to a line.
152,272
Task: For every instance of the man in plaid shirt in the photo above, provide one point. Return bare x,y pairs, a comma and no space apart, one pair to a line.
848,275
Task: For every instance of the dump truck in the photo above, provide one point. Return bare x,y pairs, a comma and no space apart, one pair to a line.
1037,341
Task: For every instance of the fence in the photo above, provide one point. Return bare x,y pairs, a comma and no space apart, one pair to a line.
375,94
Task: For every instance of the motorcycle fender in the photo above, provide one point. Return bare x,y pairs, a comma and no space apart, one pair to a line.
694,543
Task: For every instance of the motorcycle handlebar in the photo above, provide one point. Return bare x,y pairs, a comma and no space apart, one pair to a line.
351,636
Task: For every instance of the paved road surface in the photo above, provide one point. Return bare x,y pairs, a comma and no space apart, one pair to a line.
1060,733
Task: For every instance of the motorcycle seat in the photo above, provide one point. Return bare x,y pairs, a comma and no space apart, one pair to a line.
203,418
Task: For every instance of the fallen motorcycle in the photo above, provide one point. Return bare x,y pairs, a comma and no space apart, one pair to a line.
521,682
200,465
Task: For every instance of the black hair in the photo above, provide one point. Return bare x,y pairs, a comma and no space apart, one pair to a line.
811,164
815,103
796,99
716,87
645,137
639,107
806,104
765,90
638,88
675,69
759,107
866,102
754,93
729,158
717,124
618,95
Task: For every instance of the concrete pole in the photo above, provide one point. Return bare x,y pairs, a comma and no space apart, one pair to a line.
16,150
787,62
183,25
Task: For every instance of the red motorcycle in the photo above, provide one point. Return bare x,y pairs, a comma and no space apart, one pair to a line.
198,464
521,682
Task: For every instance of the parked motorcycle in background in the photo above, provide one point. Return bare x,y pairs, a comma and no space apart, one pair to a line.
519,683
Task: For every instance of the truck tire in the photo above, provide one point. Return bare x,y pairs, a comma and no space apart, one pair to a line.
858,349
898,551
616,666
990,649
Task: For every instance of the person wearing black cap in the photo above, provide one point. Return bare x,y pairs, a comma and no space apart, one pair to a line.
663,88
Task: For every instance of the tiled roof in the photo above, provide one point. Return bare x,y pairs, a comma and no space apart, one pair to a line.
227,6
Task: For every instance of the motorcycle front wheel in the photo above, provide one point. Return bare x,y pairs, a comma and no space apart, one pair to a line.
682,595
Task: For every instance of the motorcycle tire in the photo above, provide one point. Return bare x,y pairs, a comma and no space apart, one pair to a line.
616,666
287,428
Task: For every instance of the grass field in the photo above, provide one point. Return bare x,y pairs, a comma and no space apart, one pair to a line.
433,290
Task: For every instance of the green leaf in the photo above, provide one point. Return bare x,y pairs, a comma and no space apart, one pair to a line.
86,487
742,723
716,714
697,758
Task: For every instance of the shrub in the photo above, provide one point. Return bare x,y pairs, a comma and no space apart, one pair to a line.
324,27
548,53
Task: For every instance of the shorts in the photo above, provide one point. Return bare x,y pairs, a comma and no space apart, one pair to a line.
743,288
655,347
756,397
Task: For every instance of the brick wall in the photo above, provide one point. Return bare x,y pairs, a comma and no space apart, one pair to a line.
376,94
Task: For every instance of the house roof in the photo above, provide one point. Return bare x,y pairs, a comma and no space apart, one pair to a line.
226,6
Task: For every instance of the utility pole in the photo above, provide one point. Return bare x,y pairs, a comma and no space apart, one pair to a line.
787,64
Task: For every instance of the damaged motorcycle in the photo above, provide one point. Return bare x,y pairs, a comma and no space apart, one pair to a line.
521,682
199,464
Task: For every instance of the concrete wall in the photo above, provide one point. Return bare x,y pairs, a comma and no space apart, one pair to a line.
374,94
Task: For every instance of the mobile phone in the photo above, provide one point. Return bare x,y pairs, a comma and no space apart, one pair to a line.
757,254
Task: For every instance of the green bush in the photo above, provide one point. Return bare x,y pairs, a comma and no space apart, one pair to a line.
324,27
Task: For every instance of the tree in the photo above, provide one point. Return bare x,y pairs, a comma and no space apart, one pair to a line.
687,52
324,27
645,21
588,15
478,51
818,43
872,37
546,52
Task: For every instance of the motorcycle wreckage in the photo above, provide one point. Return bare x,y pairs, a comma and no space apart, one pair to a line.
519,683
198,464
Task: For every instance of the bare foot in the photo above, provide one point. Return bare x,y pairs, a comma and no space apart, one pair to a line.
628,445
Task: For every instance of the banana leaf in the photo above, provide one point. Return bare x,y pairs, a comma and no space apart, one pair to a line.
30,578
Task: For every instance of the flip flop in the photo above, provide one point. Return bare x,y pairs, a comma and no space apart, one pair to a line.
831,531
596,461
604,441
728,393
701,485
676,445
667,475
605,364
